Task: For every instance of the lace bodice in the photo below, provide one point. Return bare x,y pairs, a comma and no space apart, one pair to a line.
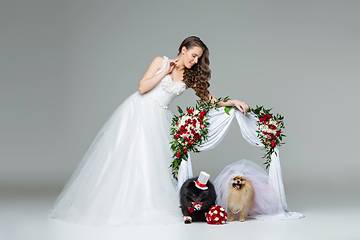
167,90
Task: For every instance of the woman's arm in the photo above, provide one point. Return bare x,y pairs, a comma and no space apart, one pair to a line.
242,106
150,79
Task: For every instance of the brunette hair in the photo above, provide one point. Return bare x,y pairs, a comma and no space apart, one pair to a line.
199,75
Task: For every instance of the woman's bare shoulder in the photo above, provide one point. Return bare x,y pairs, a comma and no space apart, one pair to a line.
158,60
157,63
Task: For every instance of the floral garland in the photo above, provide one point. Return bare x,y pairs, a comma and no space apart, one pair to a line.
189,130
269,131
216,215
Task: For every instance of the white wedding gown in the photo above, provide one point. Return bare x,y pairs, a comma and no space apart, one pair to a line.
124,177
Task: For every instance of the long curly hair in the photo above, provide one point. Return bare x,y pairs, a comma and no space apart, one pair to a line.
199,75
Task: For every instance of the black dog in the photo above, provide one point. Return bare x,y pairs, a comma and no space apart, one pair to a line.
195,203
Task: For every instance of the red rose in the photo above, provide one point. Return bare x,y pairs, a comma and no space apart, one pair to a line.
278,133
177,155
197,136
176,136
273,144
184,149
191,209
265,118
272,127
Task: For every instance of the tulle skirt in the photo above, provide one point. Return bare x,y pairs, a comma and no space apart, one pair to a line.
124,177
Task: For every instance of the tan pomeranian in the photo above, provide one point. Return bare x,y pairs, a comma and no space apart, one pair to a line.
241,198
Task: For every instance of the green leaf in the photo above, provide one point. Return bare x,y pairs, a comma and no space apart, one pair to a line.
227,110
180,110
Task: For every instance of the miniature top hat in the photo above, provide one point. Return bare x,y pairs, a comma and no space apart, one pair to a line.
202,180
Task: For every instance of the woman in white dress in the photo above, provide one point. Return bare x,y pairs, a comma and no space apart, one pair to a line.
124,177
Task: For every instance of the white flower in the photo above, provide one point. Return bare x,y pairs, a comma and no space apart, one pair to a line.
196,112
216,219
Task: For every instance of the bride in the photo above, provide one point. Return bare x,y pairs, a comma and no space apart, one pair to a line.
124,177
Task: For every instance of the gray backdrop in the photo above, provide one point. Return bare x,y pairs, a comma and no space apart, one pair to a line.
66,65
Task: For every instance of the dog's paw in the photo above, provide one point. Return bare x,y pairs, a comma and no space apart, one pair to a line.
242,219
187,221
231,219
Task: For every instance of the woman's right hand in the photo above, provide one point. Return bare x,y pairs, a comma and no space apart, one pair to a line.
170,65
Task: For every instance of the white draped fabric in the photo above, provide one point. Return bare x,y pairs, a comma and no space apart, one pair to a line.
219,125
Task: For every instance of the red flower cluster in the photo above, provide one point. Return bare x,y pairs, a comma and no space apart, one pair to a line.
216,215
189,130
270,129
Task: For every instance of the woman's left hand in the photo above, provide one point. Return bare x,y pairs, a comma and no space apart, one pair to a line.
242,106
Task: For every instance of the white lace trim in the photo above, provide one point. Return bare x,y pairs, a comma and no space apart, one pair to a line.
157,102
172,87
165,60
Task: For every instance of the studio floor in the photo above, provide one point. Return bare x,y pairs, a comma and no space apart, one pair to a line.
23,217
